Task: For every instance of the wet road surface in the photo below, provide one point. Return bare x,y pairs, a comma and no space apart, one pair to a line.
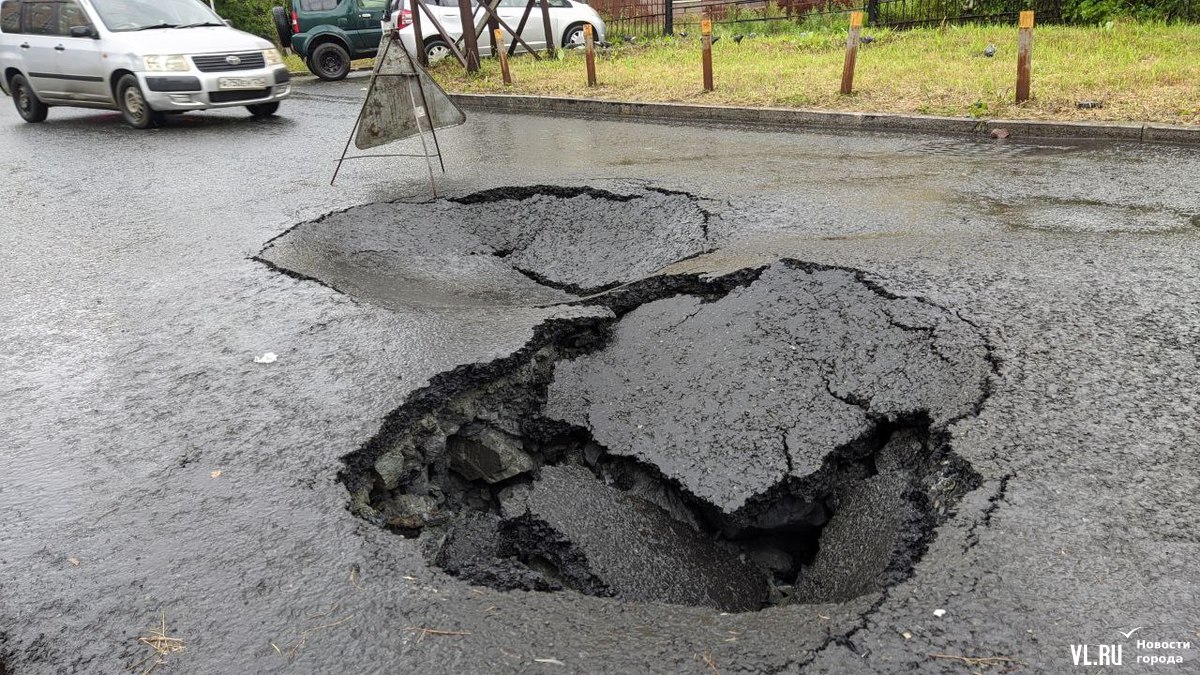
133,310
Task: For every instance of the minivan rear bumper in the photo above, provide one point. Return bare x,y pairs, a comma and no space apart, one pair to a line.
196,91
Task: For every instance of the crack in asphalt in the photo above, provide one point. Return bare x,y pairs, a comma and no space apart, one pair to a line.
984,521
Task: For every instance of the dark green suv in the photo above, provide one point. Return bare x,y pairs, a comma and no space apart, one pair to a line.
329,34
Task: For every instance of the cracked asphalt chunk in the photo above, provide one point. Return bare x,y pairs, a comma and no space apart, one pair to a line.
652,456
605,544
770,379
504,247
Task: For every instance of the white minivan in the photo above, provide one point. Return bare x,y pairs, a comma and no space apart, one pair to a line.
144,58
567,21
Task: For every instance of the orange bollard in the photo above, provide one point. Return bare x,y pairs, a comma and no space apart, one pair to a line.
1024,55
706,53
589,46
856,22
502,52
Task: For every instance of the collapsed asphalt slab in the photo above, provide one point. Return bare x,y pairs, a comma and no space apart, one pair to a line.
771,379
595,535
132,317
592,459
507,246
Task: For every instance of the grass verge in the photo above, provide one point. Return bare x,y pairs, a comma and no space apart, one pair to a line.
1141,72
296,65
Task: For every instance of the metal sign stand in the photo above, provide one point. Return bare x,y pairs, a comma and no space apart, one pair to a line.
386,126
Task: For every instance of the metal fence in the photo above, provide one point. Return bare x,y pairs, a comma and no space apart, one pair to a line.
912,13
664,17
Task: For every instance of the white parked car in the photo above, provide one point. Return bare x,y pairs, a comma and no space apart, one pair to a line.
141,57
567,19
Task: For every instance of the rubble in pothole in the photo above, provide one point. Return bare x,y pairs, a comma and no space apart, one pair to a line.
772,436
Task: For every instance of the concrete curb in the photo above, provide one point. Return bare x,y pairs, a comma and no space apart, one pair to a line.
824,119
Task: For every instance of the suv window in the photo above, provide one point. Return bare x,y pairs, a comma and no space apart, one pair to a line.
318,5
372,4
10,16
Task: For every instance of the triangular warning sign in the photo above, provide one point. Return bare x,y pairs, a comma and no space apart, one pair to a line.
402,100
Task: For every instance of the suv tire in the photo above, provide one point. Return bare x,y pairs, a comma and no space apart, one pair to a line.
283,27
29,106
132,102
330,62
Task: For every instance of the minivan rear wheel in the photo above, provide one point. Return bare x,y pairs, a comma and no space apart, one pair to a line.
436,49
574,37
132,102
29,106
330,62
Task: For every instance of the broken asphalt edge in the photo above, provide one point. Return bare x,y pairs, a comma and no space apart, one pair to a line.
825,119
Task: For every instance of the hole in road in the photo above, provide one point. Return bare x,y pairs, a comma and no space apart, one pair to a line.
772,436
511,246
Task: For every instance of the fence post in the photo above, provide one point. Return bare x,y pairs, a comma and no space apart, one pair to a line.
422,57
589,46
493,26
873,12
502,52
549,32
470,40
856,20
706,52
669,18
1024,55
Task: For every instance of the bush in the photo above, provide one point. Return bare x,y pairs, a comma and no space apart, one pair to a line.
1097,11
252,16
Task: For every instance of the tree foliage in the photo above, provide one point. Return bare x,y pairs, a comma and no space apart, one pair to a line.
252,16
1096,11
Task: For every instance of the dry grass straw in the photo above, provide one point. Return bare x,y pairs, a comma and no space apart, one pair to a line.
977,660
161,646
424,632
290,653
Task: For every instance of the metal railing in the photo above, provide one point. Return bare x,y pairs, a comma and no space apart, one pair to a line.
913,13
662,17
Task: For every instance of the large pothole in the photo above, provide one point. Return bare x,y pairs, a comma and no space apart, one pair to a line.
505,247
773,436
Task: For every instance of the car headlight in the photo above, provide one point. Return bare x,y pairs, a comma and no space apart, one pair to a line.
272,57
166,63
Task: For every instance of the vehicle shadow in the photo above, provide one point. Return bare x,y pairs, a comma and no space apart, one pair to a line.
200,120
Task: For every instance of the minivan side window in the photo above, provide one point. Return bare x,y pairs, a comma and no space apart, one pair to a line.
319,5
10,16
72,16
55,17
41,18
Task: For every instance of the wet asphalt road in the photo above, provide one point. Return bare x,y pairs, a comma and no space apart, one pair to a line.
132,313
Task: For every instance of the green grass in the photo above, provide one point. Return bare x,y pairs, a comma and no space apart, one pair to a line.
1141,71
296,65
